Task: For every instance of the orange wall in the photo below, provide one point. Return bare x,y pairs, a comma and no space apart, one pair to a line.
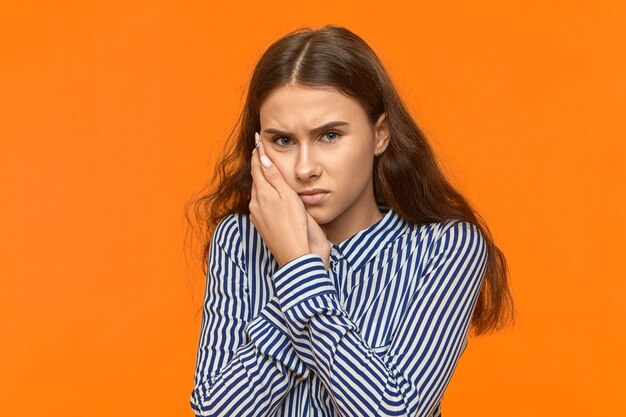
110,111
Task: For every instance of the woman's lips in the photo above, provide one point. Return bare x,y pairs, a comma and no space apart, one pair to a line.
313,198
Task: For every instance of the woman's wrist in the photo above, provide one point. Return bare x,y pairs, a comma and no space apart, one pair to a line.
294,254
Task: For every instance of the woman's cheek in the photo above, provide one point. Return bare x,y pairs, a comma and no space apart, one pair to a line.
282,168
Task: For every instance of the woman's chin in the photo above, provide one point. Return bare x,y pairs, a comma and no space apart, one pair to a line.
319,214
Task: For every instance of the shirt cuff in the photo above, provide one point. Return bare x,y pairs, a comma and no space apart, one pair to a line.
302,278
272,314
268,332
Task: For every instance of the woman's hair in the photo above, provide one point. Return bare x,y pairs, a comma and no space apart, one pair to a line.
407,177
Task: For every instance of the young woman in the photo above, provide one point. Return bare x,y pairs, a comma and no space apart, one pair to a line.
343,270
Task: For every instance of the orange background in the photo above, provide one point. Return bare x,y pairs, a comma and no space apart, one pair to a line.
111,115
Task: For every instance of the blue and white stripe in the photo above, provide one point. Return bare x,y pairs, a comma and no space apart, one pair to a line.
377,334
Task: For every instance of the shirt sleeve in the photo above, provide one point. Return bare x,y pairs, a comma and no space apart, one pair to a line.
242,367
409,380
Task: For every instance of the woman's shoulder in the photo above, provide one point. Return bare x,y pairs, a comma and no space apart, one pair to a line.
447,232
450,226
235,232
227,234
434,228
232,223
458,236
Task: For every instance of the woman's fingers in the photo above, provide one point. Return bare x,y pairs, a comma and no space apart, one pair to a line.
258,180
271,173
253,192
258,176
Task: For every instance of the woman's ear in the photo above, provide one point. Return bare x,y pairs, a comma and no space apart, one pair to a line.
381,134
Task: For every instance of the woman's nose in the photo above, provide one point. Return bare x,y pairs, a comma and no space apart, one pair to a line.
307,164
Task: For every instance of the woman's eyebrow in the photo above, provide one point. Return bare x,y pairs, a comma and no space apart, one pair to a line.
312,131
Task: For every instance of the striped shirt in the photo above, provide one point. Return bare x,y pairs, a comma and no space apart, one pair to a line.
377,334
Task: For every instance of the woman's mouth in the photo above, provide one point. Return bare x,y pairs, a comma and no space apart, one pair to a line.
313,199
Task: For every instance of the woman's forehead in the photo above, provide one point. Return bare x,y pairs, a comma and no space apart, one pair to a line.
307,106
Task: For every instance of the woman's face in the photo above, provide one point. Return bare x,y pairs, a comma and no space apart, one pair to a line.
337,158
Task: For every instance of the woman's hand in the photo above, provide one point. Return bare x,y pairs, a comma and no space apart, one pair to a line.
277,211
318,242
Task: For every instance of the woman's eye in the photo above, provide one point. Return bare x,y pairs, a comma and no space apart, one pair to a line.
277,140
283,141
333,132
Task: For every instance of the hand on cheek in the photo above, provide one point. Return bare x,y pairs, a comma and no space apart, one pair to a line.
276,210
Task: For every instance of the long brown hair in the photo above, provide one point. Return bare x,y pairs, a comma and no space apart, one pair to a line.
407,177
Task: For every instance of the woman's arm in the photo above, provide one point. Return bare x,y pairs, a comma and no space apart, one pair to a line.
411,378
242,367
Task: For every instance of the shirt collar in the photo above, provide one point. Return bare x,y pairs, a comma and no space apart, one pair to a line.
361,247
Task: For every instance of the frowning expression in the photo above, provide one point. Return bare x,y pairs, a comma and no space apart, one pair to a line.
320,138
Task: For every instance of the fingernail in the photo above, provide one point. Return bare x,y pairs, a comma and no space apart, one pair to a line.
256,139
253,151
266,161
